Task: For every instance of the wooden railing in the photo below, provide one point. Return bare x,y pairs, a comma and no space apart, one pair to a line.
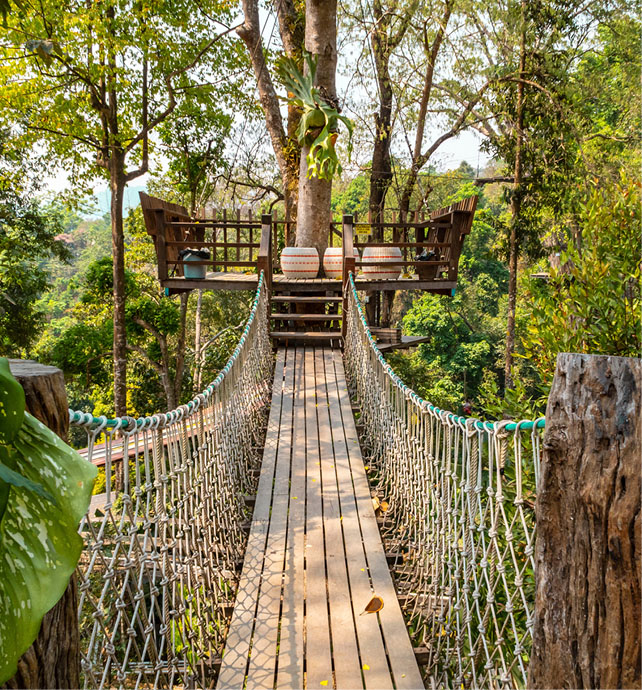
233,242
430,247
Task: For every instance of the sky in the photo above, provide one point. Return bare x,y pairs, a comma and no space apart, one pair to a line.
451,154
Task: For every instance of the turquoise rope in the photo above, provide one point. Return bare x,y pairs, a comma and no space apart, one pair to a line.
87,419
483,426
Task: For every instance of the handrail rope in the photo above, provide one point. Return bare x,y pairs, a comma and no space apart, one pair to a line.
127,423
524,424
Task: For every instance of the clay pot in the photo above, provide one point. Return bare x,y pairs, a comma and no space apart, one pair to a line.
333,261
381,255
300,262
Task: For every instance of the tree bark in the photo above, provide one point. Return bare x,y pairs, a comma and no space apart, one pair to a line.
314,213
180,348
288,164
383,44
292,31
117,187
419,159
587,554
53,660
515,208
197,344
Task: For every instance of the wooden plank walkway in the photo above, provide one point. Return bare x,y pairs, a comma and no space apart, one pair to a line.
314,555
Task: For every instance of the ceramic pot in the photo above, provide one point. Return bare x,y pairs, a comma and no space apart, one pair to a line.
333,261
381,255
300,262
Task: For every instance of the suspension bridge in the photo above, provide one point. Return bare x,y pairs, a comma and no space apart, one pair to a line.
248,531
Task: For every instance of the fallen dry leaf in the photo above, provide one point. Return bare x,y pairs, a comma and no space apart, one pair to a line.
375,604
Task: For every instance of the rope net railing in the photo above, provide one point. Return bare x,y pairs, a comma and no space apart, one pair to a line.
164,540
457,497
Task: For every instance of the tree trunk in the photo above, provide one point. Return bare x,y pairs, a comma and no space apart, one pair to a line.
180,348
515,208
198,369
292,29
53,660
250,33
587,554
314,213
117,187
419,159
381,173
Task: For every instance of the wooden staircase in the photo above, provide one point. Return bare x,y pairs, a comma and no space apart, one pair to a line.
298,317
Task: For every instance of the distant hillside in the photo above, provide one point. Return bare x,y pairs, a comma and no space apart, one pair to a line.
103,200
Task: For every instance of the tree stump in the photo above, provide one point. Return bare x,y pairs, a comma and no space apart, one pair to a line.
587,608
53,659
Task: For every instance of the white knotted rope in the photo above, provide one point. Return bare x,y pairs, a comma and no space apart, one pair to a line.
164,540
460,498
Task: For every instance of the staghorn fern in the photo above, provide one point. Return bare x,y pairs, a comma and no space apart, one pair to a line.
320,115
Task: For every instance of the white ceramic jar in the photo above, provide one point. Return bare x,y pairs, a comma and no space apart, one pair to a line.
381,255
333,261
300,262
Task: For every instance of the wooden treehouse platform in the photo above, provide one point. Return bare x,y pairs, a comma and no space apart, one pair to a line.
314,556
240,248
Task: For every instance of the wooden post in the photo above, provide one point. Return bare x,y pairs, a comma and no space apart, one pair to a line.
264,260
348,266
587,607
161,249
53,660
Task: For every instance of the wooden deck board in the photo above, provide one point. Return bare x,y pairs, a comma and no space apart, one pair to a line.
344,640
314,553
233,280
318,655
262,666
291,648
400,653
374,664
237,647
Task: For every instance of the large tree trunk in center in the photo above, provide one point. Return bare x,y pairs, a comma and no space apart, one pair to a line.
314,215
117,186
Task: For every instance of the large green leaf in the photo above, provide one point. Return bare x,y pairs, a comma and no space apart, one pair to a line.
39,540
12,403
13,478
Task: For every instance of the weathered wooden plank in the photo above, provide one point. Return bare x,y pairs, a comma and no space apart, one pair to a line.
291,643
317,655
376,672
262,665
314,548
345,651
237,646
400,653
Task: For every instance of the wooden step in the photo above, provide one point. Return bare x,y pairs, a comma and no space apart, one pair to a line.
303,298
308,285
306,335
305,317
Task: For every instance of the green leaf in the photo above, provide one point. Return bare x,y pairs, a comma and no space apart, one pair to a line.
39,542
13,478
12,403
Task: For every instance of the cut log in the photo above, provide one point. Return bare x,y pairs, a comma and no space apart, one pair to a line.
587,608
53,660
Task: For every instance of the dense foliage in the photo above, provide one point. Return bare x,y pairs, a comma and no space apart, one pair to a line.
28,237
